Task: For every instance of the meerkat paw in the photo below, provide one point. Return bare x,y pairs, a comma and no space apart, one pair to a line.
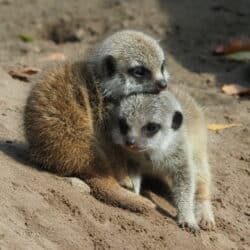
189,224
109,191
207,224
190,227
127,183
148,203
137,204
205,216
79,184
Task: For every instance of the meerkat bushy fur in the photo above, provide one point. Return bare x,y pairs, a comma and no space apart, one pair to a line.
166,136
65,114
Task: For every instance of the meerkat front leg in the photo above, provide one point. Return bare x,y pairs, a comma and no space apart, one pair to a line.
203,210
136,180
132,183
127,183
184,194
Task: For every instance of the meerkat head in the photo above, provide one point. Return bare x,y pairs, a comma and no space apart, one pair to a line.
147,122
130,62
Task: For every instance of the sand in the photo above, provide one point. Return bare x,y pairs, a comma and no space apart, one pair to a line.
40,210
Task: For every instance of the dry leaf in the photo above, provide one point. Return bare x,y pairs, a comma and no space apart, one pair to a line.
241,56
29,70
235,45
56,57
216,127
23,73
234,89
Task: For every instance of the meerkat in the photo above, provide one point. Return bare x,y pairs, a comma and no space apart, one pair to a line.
165,136
65,113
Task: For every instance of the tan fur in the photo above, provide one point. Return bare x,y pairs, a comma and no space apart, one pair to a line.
63,121
202,191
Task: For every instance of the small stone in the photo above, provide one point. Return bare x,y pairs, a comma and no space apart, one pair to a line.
78,183
80,33
247,213
213,238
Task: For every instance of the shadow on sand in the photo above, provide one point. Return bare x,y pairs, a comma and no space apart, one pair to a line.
198,27
19,152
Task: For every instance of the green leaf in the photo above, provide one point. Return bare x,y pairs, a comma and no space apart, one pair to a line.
25,38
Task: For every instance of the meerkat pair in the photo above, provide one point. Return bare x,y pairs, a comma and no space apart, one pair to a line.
66,112
66,124
165,136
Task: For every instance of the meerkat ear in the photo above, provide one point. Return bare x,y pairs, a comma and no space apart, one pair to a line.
177,120
109,66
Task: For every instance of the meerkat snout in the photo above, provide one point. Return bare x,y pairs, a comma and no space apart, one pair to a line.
161,84
130,142
177,120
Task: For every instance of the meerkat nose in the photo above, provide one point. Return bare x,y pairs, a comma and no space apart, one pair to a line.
161,84
130,142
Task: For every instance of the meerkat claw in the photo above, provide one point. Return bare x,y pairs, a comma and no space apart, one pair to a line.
207,225
190,227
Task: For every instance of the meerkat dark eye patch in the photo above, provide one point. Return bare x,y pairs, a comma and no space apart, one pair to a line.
151,128
124,128
177,120
163,66
139,72
109,65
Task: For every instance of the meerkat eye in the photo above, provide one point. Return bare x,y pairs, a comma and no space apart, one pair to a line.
139,72
109,65
124,128
163,66
151,128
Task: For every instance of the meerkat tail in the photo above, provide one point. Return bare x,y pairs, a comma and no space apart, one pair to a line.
108,190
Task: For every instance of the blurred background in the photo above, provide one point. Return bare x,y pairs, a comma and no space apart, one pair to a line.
189,30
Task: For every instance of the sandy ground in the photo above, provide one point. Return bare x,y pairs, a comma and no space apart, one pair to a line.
39,210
